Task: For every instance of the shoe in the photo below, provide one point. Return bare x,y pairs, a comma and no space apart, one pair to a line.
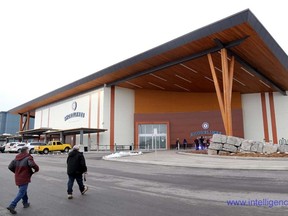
70,196
85,189
12,210
26,205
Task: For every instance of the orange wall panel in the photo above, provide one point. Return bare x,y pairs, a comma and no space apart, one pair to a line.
185,113
184,125
153,101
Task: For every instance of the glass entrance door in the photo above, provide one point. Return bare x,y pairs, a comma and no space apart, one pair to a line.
152,136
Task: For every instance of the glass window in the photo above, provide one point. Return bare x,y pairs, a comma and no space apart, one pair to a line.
142,143
149,143
163,129
162,142
148,140
141,129
149,129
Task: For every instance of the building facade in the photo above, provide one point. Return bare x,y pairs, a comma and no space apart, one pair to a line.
230,77
149,119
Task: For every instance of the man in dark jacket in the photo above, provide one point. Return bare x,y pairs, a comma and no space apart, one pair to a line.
23,166
76,166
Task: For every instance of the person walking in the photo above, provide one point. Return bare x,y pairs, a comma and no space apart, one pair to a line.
201,143
196,141
177,144
184,144
23,166
76,167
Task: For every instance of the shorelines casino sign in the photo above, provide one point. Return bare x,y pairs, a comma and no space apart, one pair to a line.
74,114
205,131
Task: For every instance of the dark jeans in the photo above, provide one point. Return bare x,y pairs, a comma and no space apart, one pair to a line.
79,180
22,194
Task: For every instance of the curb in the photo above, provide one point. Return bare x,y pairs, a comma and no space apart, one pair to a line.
234,166
233,157
159,163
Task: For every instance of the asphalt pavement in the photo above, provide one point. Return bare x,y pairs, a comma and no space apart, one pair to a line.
188,159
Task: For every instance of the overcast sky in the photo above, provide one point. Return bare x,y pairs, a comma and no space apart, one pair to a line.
45,45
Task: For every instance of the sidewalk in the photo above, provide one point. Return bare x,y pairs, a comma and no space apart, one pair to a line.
174,158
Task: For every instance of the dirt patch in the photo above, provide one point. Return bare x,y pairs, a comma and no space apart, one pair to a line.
239,154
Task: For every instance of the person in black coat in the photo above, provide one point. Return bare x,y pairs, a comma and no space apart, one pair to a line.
201,142
184,144
196,141
76,167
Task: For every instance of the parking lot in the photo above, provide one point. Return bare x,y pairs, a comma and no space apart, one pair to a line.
124,189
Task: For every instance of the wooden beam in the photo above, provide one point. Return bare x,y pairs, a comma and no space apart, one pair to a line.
231,72
218,91
229,96
225,98
28,120
21,122
228,73
225,85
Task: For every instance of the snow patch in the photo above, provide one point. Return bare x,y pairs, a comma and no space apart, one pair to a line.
122,154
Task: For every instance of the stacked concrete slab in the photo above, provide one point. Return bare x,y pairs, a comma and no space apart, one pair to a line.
223,145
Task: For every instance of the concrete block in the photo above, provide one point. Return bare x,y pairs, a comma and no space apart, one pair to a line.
230,148
215,146
270,148
254,146
243,151
212,152
223,153
283,148
260,147
246,145
234,140
219,138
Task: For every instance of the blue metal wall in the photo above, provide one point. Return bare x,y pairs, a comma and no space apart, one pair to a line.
9,123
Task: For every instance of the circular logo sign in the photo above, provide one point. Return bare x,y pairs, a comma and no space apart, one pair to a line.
205,125
74,105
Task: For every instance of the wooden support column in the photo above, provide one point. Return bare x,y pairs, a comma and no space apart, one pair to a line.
224,99
21,123
28,121
218,90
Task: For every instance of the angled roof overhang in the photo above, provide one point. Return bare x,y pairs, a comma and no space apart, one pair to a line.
181,64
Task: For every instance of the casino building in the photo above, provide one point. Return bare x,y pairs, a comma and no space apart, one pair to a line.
228,77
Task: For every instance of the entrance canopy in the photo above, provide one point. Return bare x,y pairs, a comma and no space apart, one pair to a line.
50,131
182,64
34,132
75,131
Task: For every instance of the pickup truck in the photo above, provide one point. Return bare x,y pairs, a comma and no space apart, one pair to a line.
53,146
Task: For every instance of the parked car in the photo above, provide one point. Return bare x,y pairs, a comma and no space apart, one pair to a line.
32,146
8,146
2,148
17,147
